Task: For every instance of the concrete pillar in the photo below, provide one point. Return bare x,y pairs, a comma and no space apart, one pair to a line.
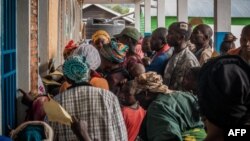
182,10
161,13
23,53
147,16
137,15
222,24
43,20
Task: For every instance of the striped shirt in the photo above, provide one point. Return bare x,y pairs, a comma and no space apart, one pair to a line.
98,107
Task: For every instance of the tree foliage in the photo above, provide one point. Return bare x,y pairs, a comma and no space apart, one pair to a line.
119,9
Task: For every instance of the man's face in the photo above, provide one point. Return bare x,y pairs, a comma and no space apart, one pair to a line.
155,42
173,38
245,42
197,37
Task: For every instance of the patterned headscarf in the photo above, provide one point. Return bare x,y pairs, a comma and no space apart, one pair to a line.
101,34
114,52
76,69
90,53
152,82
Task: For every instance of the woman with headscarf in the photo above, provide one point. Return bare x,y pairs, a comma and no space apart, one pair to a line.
69,48
98,107
112,56
224,95
228,43
94,61
99,38
171,115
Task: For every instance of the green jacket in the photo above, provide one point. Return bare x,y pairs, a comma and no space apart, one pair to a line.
170,116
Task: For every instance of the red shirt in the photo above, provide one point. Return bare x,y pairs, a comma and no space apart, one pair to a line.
133,119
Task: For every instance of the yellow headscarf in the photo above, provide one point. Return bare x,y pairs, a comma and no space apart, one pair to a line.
101,34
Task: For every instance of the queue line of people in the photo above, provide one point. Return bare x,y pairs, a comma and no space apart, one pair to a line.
171,91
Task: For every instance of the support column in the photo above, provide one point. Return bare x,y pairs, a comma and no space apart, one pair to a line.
222,24
43,20
182,10
23,53
147,16
137,15
161,13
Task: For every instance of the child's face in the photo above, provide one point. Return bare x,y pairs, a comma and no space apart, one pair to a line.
135,71
125,97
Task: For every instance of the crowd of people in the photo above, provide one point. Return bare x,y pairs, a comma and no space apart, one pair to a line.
168,86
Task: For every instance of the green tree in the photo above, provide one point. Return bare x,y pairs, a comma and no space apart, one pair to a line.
119,9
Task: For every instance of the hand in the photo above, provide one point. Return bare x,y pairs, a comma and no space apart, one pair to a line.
80,129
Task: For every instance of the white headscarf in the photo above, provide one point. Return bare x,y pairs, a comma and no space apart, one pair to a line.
90,53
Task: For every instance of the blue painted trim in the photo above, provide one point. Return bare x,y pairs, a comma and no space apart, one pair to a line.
219,36
8,64
147,34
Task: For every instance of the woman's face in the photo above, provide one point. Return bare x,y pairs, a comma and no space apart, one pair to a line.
99,43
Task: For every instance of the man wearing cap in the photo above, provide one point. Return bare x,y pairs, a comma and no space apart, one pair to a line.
183,59
130,37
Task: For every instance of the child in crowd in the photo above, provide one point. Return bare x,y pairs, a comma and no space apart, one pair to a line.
132,112
136,69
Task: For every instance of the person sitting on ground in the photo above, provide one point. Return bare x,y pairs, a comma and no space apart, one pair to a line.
98,107
99,38
228,43
93,59
112,56
130,37
244,49
171,115
182,58
133,113
224,95
201,37
158,43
